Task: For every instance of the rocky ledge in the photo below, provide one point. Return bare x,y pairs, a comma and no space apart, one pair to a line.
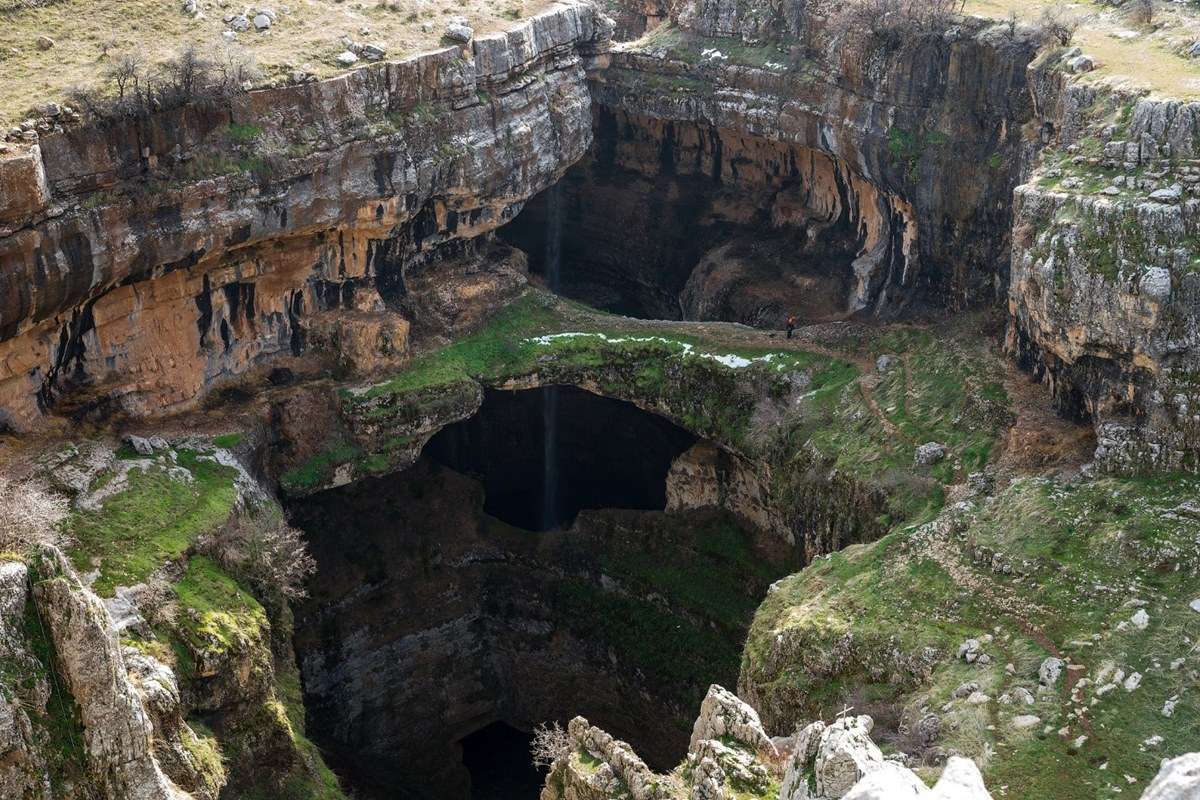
730,756
1105,290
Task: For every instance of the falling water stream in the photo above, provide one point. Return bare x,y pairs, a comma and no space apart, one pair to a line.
550,406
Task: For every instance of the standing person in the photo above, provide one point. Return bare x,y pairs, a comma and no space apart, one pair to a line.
791,325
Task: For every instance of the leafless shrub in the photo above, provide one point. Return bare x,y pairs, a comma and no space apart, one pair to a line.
550,742
891,19
30,514
1054,24
768,422
267,552
1141,12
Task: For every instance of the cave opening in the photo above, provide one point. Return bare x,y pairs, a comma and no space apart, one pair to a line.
543,455
498,760
445,619
682,221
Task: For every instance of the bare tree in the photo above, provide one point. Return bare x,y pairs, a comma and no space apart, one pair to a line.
549,743
1142,12
30,514
267,552
125,74
1054,23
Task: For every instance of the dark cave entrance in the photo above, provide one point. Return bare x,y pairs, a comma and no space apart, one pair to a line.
442,623
681,221
498,760
542,455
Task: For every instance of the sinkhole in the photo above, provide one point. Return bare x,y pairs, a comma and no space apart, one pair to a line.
461,602
543,455
679,221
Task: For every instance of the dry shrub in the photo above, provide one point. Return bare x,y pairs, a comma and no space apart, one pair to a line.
133,90
891,19
1055,24
30,515
549,743
266,552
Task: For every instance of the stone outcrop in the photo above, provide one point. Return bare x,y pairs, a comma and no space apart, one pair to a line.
835,761
22,765
117,730
723,714
186,248
1103,296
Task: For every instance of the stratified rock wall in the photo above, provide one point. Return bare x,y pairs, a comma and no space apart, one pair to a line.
142,261
1105,290
745,114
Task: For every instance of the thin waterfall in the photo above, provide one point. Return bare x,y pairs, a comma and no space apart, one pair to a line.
551,265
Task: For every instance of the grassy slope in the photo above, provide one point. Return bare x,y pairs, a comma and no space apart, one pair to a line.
308,36
1089,548
155,518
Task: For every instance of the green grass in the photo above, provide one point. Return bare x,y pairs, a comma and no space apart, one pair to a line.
154,519
228,441
1080,551
217,615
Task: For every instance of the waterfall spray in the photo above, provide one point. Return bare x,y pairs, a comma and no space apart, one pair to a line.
550,397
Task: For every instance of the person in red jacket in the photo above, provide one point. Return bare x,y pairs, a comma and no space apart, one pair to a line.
791,325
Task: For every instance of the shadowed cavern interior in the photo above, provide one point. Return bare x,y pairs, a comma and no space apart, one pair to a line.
676,221
438,631
544,455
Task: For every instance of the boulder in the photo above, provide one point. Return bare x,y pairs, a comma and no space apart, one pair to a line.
960,781
1177,779
459,32
346,58
261,22
373,52
929,453
723,714
1050,670
890,782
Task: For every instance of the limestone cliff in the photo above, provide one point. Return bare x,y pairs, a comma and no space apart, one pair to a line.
144,261
1106,246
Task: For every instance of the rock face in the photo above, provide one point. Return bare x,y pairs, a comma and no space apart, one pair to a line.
112,301
1104,289
117,730
876,186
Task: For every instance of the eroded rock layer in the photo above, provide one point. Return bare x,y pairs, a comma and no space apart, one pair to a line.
150,260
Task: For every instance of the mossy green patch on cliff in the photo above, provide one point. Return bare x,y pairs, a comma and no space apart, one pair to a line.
1045,567
154,518
217,615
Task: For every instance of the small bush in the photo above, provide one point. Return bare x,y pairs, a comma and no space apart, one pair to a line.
30,515
266,552
550,742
